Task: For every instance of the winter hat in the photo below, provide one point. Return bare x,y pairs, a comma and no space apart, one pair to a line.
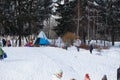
59,73
31,42
72,79
87,75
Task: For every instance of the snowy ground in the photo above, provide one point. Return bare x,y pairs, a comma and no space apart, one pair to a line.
39,63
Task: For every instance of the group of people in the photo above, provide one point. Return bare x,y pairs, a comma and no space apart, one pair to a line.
6,43
78,43
59,74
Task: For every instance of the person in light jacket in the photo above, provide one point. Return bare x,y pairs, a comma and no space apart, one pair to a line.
77,44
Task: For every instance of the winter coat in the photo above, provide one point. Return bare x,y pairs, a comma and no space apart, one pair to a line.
8,43
77,43
118,73
54,77
86,78
72,79
4,42
66,44
59,42
1,51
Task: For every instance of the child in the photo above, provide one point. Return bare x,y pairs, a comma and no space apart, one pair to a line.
66,45
87,77
104,77
58,75
1,53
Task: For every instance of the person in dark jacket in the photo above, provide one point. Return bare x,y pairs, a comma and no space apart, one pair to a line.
66,45
104,77
118,73
4,42
91,48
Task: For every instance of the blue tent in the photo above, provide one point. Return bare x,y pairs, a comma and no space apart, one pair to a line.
41,39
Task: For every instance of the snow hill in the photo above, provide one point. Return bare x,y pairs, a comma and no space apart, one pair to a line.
40,63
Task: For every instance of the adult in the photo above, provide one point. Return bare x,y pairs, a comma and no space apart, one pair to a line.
4,42
118,73
91,48
8,43
66,45
59,42
77,44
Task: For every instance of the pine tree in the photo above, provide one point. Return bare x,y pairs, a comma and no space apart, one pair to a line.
23,17
66,23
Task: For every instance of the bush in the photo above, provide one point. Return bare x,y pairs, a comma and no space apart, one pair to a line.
69,37
84,46
96,46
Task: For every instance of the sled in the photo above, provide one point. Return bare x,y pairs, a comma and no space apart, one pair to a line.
4,55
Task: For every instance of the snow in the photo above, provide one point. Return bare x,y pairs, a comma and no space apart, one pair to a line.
40,63
56,16
96,4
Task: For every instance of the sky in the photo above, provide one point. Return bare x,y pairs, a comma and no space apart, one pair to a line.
40,63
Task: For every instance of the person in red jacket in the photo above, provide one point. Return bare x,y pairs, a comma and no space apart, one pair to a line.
31,43
87,77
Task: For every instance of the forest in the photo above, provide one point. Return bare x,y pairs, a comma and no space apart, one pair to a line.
88,19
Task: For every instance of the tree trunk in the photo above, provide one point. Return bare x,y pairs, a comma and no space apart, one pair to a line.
84,37
19,40
112,38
